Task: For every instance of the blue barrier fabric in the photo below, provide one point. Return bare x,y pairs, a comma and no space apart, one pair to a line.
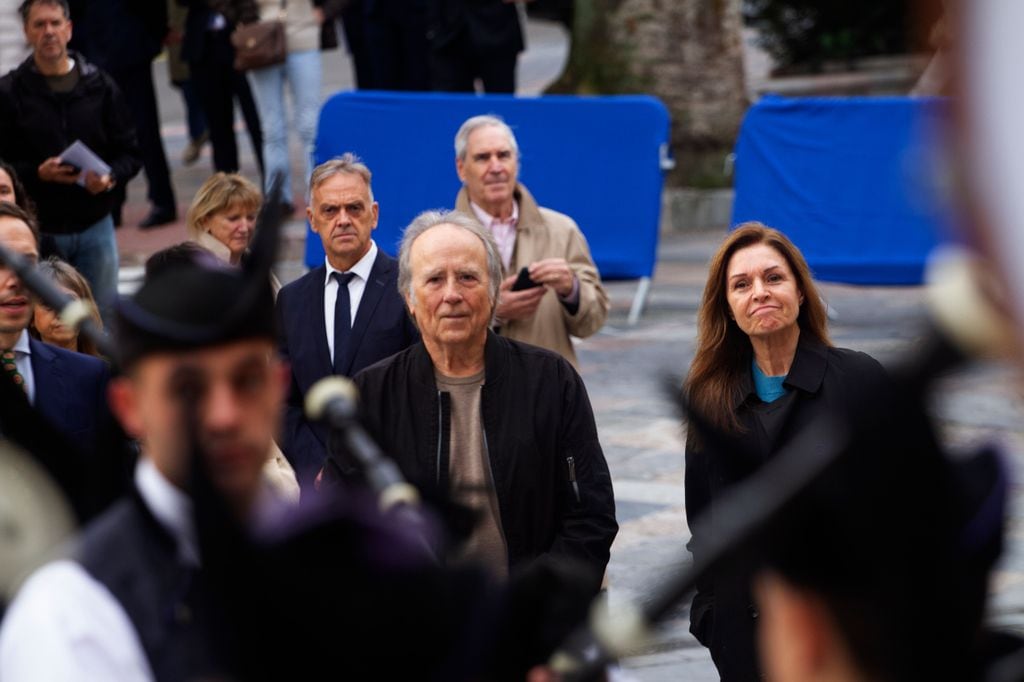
595,159
851,181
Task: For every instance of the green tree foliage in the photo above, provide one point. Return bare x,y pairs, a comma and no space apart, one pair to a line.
807,33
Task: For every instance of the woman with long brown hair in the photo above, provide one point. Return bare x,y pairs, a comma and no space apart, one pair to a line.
764,368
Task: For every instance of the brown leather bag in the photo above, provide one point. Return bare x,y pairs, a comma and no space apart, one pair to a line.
260,44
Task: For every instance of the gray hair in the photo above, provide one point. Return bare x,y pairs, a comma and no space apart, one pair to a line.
429,219
477,122
26,7
349,164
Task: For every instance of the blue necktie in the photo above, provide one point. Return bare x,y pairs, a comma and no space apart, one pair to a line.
342,321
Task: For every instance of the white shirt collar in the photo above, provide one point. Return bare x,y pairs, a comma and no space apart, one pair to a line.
171,507
362,267
487,219
22,344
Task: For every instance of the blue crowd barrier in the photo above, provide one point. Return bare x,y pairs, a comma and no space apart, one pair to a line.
851,181
596,159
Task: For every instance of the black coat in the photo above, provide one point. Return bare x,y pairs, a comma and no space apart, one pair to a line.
536,415
485,28
38,124
822,380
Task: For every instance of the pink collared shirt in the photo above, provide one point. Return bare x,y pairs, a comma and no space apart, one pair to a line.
504,231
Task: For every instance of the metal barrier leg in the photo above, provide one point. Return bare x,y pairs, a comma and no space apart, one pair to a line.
639,300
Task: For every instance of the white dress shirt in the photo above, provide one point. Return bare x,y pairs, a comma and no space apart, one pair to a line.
356,287
23,361
65,625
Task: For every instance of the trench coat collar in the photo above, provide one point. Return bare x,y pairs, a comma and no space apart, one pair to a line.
529,211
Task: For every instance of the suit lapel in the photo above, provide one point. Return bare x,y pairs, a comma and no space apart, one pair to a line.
372,294
48,375
323,351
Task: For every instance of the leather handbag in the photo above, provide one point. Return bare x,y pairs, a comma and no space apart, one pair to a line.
261,43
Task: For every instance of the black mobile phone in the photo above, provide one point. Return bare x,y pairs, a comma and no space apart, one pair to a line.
523,281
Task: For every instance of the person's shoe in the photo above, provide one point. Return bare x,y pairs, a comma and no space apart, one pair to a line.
194,148
158,217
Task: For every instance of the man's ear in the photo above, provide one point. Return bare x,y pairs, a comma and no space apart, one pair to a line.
460,169
124,404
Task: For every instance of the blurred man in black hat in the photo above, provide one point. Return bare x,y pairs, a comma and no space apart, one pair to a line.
128,605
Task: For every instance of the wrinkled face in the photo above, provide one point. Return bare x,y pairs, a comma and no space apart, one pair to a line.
762,292
49,325
7,188
489,169
48,31
343,215
15,302
236,390
450,298
233,227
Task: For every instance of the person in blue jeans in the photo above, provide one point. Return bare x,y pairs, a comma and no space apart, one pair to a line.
300,72
57,97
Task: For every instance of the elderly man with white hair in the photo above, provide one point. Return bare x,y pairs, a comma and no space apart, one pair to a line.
564,295
501,427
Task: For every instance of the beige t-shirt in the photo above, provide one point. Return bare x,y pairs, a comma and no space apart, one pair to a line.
469,473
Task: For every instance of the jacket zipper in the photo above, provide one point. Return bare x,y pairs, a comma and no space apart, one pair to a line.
440,439
572,477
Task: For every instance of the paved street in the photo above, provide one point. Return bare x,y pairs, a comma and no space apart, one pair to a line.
624,369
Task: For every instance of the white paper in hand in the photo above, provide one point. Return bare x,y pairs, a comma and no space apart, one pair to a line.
78,154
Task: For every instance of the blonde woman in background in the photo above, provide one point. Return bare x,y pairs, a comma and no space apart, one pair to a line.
222,217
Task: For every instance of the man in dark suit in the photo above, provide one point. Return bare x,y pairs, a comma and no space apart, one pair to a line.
68,390
344,315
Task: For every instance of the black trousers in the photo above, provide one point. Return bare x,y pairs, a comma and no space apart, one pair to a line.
396,37
455,72
355,37
136,83
218,85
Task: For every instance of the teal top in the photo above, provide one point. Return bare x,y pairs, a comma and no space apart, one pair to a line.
768,388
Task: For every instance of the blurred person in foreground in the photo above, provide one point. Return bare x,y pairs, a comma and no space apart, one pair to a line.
764,369
46,323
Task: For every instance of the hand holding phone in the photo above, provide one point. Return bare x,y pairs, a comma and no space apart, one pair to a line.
523,281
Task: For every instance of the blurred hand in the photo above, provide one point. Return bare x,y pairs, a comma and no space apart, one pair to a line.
55,170
554,273
517,305
96,183
318,14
